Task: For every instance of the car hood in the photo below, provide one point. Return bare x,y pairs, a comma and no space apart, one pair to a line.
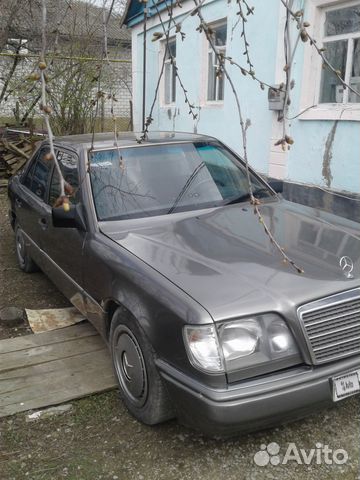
225,261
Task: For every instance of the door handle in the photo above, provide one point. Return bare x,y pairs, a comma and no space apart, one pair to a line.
43,223
18,202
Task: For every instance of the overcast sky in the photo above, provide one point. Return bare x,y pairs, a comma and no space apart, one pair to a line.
119,5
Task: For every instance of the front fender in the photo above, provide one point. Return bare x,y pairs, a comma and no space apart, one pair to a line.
115,276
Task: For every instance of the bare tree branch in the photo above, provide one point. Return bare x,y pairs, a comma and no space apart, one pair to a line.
244,126
305,36
46,110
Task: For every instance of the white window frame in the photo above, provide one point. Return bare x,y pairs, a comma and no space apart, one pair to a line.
312,71
163,102
217,82
207,50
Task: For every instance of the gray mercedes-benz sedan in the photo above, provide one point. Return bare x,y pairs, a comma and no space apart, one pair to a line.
161,250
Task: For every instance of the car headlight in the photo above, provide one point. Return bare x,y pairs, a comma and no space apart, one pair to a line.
239,339
242,344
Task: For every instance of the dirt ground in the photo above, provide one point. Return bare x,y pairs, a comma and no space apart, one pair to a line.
98,439
16,288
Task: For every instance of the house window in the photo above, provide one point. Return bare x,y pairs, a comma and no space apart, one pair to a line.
216,81
341,39
170,72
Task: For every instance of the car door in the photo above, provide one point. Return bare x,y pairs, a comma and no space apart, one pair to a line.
64,246
30,205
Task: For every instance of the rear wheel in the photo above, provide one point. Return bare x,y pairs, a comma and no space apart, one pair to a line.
141,387
24,260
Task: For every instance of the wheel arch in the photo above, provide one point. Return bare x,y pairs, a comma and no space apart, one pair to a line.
110,306
134,308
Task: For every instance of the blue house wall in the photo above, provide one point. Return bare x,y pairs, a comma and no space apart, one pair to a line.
325,152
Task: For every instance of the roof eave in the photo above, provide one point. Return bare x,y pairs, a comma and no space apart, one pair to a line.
124,17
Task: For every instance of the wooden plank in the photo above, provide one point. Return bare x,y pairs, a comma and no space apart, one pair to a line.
58,382
9,156
14,170
26,147
13,161
84,329
14,148
53,367
17,166
48,353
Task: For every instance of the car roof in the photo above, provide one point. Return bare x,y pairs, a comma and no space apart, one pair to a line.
126,139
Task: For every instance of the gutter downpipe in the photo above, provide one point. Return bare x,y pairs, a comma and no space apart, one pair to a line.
144,65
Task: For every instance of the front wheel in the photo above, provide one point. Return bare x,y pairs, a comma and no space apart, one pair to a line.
141,386
25,262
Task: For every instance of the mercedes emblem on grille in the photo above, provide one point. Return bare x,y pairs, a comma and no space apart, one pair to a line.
347,266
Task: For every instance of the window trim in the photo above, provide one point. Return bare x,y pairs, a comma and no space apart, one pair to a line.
311,80
162,52
206,50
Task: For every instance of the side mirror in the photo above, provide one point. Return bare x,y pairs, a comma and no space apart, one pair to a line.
276,185
72,219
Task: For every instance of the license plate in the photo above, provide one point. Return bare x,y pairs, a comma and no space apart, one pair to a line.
346,385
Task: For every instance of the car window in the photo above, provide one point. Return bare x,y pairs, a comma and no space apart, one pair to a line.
68,163
160,179
29,174
37,177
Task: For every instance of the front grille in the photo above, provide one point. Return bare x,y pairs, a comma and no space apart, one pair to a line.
332,326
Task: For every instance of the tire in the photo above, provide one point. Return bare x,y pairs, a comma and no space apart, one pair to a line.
141,387
25,262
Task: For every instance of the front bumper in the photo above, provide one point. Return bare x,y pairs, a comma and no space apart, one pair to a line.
253,404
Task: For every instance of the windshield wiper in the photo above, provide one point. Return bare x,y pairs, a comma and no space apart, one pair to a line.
246,196
186,186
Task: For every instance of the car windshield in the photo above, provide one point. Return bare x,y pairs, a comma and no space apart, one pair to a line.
162,179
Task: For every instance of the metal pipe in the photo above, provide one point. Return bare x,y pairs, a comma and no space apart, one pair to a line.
144,66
